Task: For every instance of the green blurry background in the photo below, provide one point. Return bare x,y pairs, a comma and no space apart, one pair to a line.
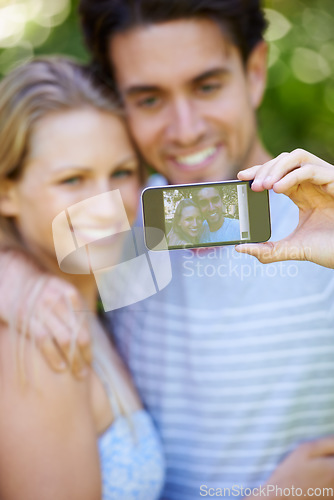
298,109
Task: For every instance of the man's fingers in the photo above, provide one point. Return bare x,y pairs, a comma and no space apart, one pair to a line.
319,175
52,355
85,351
259,173
249,173
266,175
40,327
321,447
78,365
63,360
66,323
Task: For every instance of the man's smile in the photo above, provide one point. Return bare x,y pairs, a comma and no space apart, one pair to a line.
198,159
213,215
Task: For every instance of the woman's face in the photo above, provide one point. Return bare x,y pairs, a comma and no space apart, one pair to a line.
191,222
75,155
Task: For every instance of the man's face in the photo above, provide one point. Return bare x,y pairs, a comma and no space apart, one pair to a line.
211,206
189,99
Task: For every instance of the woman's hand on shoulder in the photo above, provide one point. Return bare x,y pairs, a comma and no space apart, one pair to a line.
52,320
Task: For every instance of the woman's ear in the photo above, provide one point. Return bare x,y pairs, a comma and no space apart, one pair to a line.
8,198
256,68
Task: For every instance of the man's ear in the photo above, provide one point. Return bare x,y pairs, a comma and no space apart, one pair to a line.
8,198
256,69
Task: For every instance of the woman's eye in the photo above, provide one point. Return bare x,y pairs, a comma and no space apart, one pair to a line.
71,181
119,174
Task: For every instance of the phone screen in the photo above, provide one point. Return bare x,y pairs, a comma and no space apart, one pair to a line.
199,215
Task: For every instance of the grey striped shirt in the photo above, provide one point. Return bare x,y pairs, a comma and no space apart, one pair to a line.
234,360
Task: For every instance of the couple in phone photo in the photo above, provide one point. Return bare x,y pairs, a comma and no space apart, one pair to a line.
201,219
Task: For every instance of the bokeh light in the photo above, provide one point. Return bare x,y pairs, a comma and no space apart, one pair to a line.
25,22
298,107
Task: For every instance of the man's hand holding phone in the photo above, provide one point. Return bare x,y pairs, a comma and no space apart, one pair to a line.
309,182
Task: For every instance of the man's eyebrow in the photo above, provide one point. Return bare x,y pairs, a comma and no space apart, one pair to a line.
134,90
140,89
211,73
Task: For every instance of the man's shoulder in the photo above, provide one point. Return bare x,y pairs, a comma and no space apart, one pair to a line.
232,222
229,225
156,180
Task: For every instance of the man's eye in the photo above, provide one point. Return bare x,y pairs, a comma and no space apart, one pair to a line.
148,102
208,88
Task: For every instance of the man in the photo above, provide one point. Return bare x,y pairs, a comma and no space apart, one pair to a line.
233,359
230,357
216,227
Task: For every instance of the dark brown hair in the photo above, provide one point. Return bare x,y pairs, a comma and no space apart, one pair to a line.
241,20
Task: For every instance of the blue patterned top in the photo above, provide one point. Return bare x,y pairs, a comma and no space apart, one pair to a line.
131,457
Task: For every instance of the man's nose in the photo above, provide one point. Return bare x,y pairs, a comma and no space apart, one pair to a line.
186,125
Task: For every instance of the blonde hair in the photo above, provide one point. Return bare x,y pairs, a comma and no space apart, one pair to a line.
29,93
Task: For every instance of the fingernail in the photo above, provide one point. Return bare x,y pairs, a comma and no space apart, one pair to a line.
60,366
256,182
81,374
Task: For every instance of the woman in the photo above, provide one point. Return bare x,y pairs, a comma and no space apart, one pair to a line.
63,142
187,224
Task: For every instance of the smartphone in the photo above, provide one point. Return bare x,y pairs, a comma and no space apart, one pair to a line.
204,215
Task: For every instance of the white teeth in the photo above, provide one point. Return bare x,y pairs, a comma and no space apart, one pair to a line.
197,157
94,234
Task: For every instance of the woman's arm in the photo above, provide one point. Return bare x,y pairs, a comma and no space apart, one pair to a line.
48,439
309,183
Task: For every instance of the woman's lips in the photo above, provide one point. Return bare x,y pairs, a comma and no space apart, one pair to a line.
85,236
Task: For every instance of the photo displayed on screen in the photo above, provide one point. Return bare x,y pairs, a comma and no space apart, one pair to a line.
206,214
